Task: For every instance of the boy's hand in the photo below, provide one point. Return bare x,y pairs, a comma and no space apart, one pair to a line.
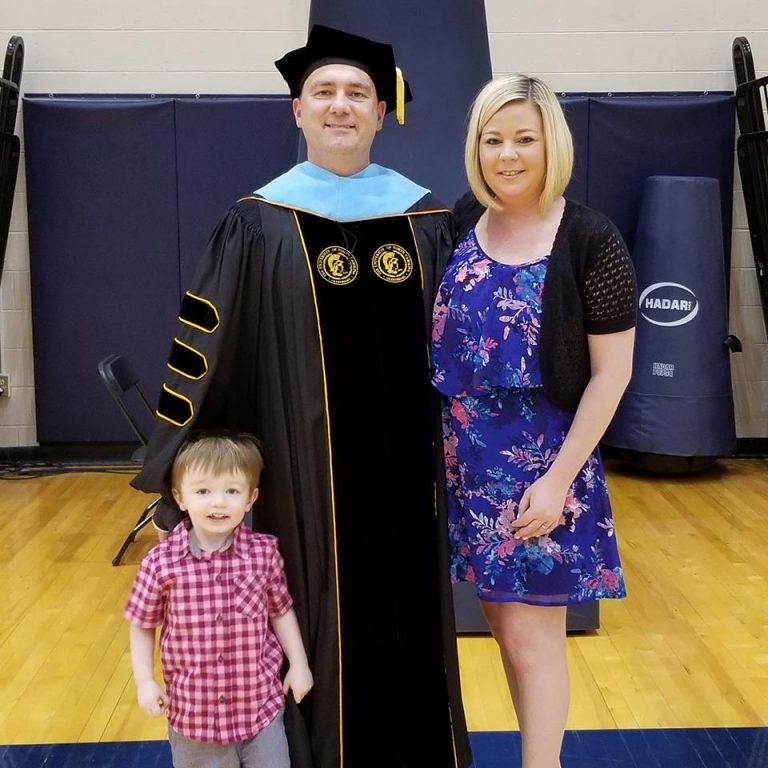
152,698
299,681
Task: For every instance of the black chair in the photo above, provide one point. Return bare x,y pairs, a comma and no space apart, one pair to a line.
10,85
10,151
749,111
752,154
120,379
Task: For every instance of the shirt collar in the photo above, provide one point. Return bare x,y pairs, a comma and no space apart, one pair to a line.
183,542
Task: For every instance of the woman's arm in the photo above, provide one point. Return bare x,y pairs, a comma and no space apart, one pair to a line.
541,507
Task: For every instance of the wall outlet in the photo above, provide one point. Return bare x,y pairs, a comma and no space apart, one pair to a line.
5,385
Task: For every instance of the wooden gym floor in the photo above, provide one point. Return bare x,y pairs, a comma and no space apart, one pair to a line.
687,649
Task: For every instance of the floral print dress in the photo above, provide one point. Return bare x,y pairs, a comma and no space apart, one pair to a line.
500,433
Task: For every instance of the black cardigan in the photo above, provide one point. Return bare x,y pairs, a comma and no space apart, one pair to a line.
589,289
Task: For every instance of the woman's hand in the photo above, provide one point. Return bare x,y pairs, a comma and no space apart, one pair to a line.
543,502
541,508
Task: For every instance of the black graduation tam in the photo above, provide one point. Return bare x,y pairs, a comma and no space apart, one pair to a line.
326,45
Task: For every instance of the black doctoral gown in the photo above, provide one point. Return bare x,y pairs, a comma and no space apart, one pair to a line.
313,335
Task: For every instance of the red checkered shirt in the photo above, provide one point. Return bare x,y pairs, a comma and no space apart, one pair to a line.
221,661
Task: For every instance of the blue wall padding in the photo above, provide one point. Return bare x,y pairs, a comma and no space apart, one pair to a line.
576,110
226,148
632,137
442,48
679,401
123,193
101,189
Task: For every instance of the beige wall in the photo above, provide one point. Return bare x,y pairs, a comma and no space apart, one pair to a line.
228,46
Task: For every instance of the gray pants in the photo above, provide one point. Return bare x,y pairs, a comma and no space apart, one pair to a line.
267,749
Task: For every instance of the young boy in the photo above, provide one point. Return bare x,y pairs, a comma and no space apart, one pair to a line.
219,593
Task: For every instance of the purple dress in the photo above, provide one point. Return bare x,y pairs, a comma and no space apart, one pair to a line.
500,433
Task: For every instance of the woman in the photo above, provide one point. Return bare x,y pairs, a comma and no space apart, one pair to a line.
532,349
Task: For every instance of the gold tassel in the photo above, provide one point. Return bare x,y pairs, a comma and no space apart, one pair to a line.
399,96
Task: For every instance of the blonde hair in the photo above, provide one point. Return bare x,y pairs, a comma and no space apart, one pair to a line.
220,453
558,144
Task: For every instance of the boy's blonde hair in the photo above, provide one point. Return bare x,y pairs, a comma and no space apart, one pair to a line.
220,453
558,144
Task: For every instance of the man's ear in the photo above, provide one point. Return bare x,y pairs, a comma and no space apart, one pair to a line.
254,496
177,499
296,105
381,110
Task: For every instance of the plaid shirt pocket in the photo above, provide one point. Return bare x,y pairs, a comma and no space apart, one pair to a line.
251,596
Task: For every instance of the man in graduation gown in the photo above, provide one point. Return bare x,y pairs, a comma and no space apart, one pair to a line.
307,325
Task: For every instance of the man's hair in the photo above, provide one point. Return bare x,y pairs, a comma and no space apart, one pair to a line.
219,452
558,144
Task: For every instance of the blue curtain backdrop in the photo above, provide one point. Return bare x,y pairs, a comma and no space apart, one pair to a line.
442,48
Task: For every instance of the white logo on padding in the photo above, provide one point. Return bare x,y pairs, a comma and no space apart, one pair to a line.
668,304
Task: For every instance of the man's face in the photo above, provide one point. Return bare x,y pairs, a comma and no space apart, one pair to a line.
339,113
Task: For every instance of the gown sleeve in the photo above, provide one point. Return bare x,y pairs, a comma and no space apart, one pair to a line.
434,238
466,213
210,374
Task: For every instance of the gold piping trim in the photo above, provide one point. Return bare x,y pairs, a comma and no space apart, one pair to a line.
330,474
197,352
315,213
181,397
211,305
418,255
428,358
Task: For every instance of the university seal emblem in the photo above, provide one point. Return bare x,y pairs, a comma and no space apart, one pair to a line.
337,265
392,263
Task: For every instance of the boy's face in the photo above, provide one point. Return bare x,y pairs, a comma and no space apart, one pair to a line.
215,503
